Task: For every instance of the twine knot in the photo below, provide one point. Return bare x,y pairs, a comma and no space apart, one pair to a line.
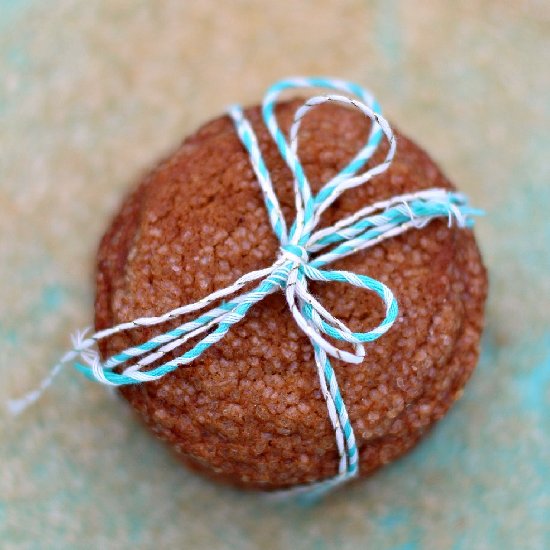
294,253
304,250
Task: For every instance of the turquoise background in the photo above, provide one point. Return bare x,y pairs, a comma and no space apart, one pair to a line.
91,93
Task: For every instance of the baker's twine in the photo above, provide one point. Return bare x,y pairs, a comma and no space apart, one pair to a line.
304,250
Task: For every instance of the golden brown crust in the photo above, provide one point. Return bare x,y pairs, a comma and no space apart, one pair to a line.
249,411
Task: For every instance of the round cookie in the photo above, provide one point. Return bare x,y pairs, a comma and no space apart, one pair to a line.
249,411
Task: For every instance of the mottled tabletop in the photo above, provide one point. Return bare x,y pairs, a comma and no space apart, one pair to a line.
93,92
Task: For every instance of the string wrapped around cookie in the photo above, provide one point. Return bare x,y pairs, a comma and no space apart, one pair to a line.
304,250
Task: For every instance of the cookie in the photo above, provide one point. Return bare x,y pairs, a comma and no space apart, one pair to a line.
249,411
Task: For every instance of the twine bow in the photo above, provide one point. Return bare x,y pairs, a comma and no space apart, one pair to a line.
304,250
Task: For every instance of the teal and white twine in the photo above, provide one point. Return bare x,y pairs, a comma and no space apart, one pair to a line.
293,269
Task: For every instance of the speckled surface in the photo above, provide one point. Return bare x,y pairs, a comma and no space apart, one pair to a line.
93,92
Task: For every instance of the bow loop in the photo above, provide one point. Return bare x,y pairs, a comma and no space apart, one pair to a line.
308,207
